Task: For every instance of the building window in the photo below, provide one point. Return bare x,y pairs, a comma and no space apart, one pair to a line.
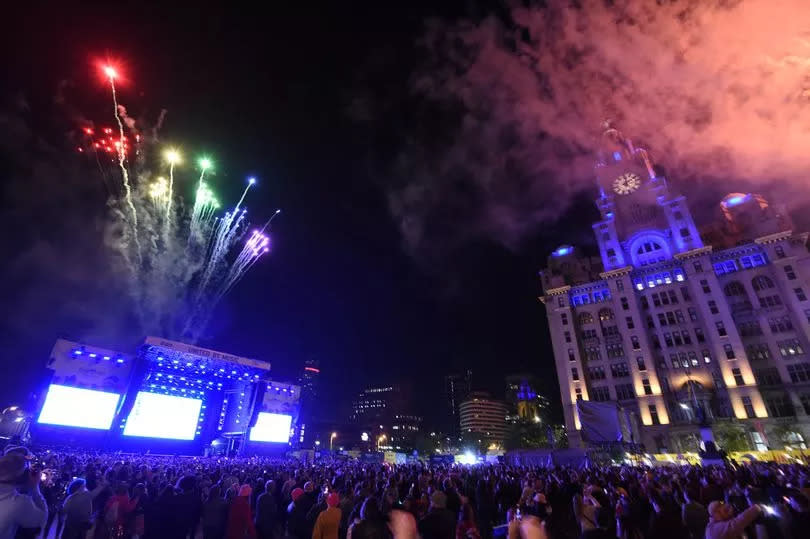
704,284
721,329
749,329
592,353
679,316
701,337
807,314
668,340
670,317
640,363
651,323
588,334
656,342
596,373
767,377
780,324
567,336
585,318
615,350
718,380
656,300
713,307
629,321
805,400
800,294
662,319
636,344
606,314
625,392
620,285
687,339
578,392
625,304
790,348
600,394
789,273
729,351
749,407
673,297
698,266
564,319
779,406
684,232
770,301
654,415
610,330
677,338
571,356
761,282
799,372
693,360
707,355
645,383
734,288
674,359
619,370
780,251
738,379
758,352
685,293
692,314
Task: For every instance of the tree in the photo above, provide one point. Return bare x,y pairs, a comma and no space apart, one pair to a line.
731,437
527,434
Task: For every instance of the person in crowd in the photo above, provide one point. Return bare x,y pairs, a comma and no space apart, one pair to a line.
18,510
694,514
240,518
297,515
78,508
724,525
214,514
402,522
371,524
327,525
440,522
466,526
117,512
267,512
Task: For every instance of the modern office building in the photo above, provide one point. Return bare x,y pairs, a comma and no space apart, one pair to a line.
481,414
457,387
680,328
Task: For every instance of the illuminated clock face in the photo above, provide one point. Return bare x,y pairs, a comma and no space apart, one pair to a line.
626,183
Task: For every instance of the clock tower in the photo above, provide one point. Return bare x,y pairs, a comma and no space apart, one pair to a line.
642,222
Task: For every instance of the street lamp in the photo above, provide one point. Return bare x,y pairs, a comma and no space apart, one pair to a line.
380,439
332,439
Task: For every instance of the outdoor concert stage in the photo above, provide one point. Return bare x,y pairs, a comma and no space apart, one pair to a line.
168,397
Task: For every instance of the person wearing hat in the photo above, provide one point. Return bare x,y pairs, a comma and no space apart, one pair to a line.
19,510
440,522
327,524
724,525
297,515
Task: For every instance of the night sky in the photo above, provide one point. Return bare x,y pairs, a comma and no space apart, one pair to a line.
272,95
427,159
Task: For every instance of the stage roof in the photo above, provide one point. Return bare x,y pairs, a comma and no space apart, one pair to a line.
187,350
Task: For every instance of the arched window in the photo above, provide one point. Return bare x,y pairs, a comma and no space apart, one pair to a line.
606,314
761,282
585,318
648,248
734,288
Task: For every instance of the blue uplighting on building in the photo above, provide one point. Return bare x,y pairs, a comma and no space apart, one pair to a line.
563,250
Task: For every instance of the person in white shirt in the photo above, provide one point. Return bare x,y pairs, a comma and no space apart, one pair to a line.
19,510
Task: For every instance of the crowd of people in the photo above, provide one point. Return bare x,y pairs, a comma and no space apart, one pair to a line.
114,496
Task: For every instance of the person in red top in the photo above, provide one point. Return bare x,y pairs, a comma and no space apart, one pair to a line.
117,511
466,527
240,517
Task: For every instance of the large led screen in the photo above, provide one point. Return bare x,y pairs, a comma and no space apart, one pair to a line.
163,416
76,407
271,428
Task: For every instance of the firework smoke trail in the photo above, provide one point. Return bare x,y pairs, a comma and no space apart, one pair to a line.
257,245
110,72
